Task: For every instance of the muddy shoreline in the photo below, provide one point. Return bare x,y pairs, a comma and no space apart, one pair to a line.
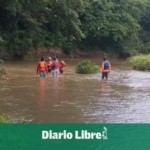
56,51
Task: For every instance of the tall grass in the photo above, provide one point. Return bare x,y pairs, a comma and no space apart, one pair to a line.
140,62
2,73
2,70
86,67
4,118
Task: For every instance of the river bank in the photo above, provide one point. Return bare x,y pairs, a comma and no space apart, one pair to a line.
56,51
4,118
140,62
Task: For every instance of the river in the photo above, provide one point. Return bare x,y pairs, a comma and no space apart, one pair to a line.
76,98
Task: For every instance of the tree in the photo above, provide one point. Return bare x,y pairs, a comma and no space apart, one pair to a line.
107,23
25,24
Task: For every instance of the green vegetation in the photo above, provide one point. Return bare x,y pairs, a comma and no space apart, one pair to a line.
4,118
9,119
86,67
141,62
2,72
121,28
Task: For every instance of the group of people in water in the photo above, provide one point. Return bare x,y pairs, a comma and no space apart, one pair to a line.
52,66
55,67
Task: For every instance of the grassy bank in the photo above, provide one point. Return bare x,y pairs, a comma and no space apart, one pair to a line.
140,62
2,73
2,70
4,118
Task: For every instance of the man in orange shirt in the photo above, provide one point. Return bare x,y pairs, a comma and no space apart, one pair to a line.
105,69
62,65
42,67
49,64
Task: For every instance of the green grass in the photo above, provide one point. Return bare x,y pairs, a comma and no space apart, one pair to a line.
2,70
11,119
140,62
86,67
4,118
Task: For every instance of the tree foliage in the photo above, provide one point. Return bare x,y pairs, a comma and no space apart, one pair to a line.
115,26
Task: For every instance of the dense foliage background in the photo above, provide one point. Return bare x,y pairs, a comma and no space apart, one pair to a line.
120,27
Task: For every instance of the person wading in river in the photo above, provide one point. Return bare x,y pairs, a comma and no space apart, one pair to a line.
105,68
42,67
62,65
49,64
55,67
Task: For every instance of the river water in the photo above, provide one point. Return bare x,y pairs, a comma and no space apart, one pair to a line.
76,98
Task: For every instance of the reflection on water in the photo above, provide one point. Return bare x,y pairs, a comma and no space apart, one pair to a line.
42,89
41,92
75,98
105,87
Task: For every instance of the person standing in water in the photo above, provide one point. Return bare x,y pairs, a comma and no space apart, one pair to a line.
105,68
49,64
55,67
42,67
62,65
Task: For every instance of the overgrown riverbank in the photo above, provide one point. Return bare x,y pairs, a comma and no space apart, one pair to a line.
57,51
119,28
4,118
140,62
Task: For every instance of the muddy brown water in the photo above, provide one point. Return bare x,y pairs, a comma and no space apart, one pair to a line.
76,98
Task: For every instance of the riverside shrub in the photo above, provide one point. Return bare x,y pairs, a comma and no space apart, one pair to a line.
2,70
140,62
86,67
4,118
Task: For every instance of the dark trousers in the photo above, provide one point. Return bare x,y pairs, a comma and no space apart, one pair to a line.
61,71
49,69
104,75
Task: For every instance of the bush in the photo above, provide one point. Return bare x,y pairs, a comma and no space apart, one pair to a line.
4,118
86,67
2,70
141,62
